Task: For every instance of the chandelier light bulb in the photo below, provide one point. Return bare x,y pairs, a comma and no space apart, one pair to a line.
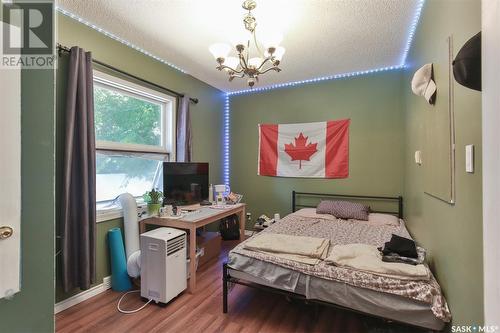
278,54
232,62
219,50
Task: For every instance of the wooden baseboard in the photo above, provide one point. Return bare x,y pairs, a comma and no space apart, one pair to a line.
83,296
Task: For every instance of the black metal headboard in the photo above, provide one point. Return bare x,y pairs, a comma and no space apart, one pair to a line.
398,200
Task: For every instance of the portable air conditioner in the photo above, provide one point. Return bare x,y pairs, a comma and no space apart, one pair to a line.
163,264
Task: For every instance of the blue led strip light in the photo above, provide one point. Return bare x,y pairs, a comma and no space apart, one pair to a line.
226,140
411,34
226,120
402,65
314,80
227,106
118,39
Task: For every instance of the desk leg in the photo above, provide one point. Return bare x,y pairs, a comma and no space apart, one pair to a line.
142,227
242,218
192,264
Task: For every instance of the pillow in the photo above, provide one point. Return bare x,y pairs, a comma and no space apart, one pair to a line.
344,209
383,219
311,213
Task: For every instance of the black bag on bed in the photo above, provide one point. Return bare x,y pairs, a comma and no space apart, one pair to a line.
229,228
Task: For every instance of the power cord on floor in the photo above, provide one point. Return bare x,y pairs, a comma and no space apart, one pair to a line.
131,311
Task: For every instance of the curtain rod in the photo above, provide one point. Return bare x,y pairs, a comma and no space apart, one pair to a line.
61,48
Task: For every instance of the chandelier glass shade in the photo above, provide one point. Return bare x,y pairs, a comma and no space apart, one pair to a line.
266,53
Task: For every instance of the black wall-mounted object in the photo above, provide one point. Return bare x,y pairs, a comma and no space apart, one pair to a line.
467,64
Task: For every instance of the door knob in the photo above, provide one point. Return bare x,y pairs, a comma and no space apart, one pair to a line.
5,232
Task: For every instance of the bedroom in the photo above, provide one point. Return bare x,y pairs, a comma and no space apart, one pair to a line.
343,60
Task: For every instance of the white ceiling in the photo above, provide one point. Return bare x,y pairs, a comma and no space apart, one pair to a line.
321,37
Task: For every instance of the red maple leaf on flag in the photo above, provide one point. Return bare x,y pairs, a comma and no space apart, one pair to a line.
300,151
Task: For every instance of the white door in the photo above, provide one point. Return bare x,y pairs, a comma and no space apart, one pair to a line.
491,162
10,180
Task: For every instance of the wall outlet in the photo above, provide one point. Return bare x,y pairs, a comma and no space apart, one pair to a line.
106,282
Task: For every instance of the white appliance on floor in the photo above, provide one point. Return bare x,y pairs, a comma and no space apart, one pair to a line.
163,264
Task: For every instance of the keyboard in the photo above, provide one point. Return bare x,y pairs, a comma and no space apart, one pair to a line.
201,213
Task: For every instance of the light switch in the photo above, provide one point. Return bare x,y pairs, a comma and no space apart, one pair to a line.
418,157
469,158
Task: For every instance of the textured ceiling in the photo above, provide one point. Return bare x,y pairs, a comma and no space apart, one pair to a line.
321,37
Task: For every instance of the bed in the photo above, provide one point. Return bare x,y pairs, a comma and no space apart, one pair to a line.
416,303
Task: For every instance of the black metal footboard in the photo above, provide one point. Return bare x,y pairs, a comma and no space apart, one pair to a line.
227,279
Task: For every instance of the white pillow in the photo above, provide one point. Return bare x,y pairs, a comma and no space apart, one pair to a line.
383,219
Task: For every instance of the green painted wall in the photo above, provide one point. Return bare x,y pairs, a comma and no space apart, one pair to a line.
388,126
452,234
102,263
206,116
32,309
375,107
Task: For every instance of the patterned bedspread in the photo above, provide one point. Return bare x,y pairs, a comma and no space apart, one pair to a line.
348,232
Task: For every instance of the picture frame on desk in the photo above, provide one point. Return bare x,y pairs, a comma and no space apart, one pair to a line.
234,198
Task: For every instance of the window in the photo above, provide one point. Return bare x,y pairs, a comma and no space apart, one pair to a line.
134,128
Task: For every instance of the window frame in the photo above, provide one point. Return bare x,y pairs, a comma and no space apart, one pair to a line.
168,107
107,209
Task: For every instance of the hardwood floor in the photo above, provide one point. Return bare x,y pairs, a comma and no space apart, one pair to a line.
249,311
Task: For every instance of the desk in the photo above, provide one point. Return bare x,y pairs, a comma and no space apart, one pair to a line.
191,223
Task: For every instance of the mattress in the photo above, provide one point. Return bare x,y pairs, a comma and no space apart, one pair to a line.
380,304
415,302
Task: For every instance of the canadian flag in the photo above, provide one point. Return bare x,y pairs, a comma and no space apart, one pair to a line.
315,150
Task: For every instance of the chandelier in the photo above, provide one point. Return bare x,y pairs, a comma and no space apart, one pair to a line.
244,66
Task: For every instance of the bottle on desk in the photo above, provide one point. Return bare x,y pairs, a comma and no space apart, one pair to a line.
211,193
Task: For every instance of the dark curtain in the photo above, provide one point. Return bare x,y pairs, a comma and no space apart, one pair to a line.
184,137
78,211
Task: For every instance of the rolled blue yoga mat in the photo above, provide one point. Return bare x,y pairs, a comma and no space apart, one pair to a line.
120,280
